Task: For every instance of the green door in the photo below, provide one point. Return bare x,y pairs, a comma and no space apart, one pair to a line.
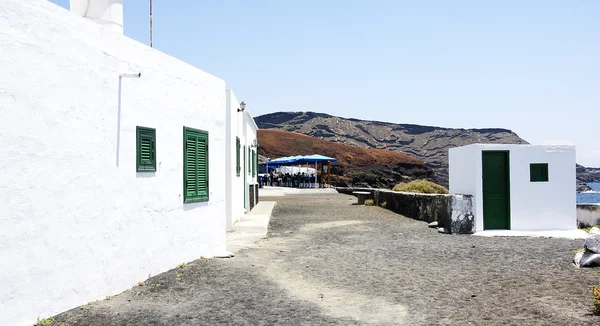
496,190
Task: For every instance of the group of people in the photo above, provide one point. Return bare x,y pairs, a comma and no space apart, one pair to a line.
297,180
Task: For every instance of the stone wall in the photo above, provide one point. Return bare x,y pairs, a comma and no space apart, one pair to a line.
453,212
588,214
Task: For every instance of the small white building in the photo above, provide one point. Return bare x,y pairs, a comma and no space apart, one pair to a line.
117,161
517,187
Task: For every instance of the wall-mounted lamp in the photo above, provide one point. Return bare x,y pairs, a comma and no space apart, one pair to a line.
242,107
254,144
134,75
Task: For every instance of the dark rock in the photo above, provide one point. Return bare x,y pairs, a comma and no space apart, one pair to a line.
583,187
592,243
586,175
586,259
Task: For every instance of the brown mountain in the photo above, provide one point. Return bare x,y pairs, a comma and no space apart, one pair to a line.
375,167
430,144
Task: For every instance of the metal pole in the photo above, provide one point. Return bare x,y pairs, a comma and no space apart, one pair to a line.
150,23
329,174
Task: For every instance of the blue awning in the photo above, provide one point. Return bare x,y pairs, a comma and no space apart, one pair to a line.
317,158
299,159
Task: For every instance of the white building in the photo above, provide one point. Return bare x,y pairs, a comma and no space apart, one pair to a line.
517,187
242,184
113,158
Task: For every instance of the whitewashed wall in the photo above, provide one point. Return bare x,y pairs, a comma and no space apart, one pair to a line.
534,205
77,223
250,134
463,167
235,183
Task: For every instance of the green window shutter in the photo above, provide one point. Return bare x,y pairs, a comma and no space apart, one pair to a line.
195,165
538,172
146,149
249,160
237,156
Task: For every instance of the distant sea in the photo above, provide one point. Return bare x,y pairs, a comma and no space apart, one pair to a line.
590,197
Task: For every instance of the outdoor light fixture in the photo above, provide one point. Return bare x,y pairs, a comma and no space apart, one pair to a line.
242,107
131,75
254,144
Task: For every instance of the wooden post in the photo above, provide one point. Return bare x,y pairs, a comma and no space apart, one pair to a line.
329,173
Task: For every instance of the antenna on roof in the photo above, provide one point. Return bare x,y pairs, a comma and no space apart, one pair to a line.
150,23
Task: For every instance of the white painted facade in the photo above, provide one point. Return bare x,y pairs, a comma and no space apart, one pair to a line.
242,127
77,222
533,205
250,134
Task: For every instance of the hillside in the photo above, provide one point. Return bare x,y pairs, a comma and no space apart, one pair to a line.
586,175
429,144
376,167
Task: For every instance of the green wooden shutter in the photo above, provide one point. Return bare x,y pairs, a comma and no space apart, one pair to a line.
146,149
249,160
202,166
190,176
237,156
195,175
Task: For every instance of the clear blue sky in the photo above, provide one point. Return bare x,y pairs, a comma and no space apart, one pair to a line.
531,66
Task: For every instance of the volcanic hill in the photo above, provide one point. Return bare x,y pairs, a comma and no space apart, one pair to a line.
375,167
426,143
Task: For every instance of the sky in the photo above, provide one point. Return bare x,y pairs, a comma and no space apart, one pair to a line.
532,66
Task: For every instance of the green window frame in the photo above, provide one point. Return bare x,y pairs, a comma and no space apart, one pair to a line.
249,160
145,149
195,165
254,163
238,168
538,172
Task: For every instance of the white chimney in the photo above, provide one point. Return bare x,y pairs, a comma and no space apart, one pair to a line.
108,13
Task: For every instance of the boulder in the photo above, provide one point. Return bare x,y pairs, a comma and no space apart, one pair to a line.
595,230
433,224
586,259
592,243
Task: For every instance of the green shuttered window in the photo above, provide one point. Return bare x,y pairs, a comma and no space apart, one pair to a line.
238,168
146,149
538,172
195,165
249,160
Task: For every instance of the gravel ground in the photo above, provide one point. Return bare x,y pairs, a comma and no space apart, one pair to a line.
329,262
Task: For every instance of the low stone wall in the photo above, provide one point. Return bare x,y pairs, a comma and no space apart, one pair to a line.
588,214
452,212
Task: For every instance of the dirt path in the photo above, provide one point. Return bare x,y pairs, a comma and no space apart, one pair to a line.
328,262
